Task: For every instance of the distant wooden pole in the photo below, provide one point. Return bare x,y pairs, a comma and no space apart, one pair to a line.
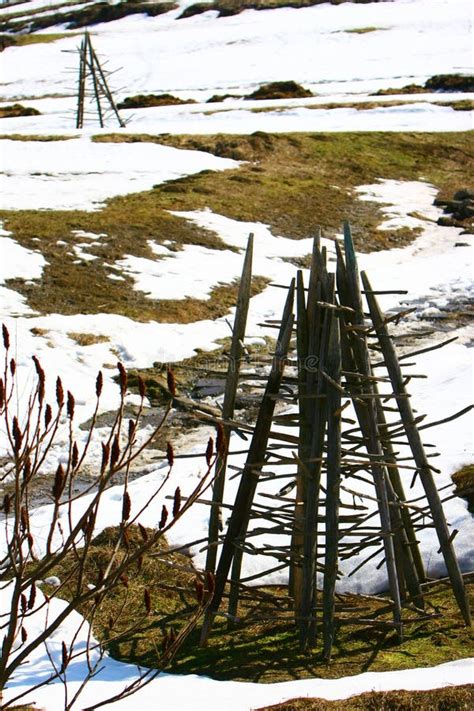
95,83
106,89
90,67
81,85
228,407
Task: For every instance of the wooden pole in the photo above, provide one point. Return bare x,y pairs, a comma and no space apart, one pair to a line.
228,407
419,455
304,446
332,486
241,511
92,69
81,84
362,359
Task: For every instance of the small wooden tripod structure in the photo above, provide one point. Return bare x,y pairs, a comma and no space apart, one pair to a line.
335,368
93,82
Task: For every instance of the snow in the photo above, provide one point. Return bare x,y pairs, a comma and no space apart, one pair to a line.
80,174
196,58
204,55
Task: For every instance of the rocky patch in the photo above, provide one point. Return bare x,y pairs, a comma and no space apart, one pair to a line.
145,101
16,110
439,82
279,90
459,210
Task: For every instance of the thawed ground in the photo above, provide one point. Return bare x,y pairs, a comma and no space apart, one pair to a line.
197,58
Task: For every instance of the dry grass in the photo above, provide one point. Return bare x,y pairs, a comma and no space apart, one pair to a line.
87,339
293,182
461,105
452,698
362,30
26,40
168,577
31,137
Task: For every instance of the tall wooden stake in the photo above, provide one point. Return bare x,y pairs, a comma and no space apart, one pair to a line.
418,451
232,380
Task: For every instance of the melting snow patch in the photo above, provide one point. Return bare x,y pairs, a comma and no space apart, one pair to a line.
81,174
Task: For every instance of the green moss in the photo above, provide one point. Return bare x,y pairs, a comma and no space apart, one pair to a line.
268,651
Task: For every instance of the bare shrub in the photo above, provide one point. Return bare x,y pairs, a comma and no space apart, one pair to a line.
32,612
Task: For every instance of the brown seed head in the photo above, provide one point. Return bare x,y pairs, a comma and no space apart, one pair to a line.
74,455
143,532
171,382
221,444
48,416
59,392
17,436
99,383
24,518
6,337
126,506
122,378
170,453
176,502
105,457
70,405
115,453
209,451
141,387
64,657
59,483
32,597
41,378
164,517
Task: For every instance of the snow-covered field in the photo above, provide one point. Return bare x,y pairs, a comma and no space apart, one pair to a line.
197,58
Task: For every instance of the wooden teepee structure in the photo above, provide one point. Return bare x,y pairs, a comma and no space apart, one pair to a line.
93,83
335,338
